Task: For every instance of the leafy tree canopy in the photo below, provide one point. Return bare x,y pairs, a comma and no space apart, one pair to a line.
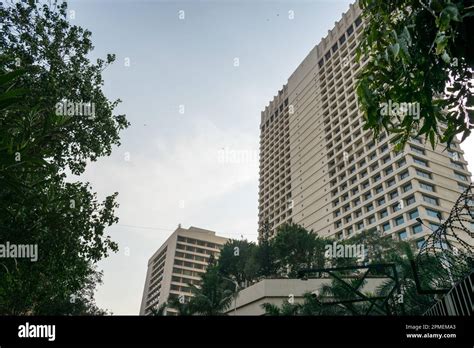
44,61
418,51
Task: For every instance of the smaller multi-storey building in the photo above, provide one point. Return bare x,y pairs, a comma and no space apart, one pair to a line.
180,261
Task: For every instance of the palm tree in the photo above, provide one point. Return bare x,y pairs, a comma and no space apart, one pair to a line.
287,309
413,302
181,307
212,297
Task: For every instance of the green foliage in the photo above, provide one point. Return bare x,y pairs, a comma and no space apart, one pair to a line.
286,309
236,260
380,249
295,248
182,307
418,52
44,60
212,297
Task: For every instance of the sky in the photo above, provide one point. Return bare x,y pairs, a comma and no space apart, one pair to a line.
193,77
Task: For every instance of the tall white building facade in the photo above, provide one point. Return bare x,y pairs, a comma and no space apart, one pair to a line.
320,169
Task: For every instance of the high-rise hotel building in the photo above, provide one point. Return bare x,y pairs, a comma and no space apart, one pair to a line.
180,261
320,169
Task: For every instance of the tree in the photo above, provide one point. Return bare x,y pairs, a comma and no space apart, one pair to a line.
182,307
264,260
295,247
235,260
286,309
379,249
211,297
44,59
418,52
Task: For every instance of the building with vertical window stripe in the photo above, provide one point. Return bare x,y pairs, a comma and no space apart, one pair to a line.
319,168
180,261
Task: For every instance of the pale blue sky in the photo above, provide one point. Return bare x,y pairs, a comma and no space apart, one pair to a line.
173,174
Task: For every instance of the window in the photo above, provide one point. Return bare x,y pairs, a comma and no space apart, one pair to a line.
454,155
356,202
338,224
374,166
413,214
401,163
410,200
367,196
350,30
360,225
327,55
417,228
383,213
378,189
423,174
420,162
349,231
384,148
433,226
348,219
363,174
376,178
386,159
462,188
369,207
386,226
365,185
358,213
430,200
403,235
393,194
427,187
396,207
337,213
389,170
347,208
407,187
399,221
321,63
342,39
417,150
372,155
371,219
460,176
457,165
358,21
381,201
404,175
433,213
391,182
